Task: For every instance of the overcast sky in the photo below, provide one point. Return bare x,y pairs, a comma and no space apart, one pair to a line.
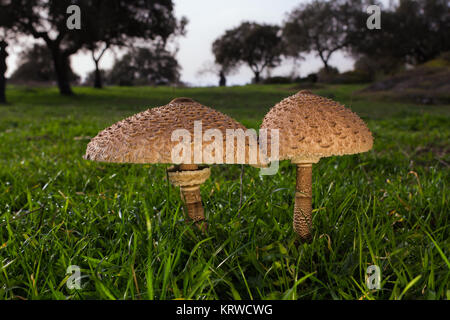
208,19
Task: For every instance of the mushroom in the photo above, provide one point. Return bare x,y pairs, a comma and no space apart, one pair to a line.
312,127
147,137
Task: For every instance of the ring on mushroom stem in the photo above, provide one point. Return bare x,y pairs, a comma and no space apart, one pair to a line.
189,177
148,137
312,127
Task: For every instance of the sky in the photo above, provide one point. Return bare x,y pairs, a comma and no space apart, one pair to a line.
208,20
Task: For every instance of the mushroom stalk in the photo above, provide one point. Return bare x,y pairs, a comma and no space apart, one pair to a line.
191,196
189,178
303,201
193,200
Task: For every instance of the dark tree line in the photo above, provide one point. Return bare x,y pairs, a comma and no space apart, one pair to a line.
412,32
149,65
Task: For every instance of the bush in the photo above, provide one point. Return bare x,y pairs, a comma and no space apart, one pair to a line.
278,80
326,76
334,77
310,78
354,76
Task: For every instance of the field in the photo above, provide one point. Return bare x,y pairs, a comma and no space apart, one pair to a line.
124,226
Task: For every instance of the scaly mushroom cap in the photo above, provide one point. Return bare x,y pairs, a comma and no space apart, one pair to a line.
312,127
146,137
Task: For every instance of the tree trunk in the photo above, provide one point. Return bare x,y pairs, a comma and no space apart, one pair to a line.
98,83
223,79
3,68
325,64
257,77
324,60
61,63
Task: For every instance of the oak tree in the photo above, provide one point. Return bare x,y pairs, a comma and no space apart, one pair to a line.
259,46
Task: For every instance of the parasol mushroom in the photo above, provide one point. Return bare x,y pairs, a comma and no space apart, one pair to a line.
149,137
312,127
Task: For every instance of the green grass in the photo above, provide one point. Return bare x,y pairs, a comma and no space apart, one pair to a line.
124,225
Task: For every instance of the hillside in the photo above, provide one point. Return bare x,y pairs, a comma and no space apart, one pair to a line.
427,84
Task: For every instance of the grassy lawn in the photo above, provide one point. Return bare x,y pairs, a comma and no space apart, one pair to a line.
123,225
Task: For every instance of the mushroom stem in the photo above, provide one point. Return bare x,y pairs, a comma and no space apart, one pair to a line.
193,200
191,196
303,201
189,178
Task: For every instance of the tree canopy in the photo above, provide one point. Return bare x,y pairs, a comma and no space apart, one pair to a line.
259,46
108,21
412,32
123,24
318,26
145,66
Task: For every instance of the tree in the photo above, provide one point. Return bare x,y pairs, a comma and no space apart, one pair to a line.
7,33
319,26
92,77
116,24
3,68
145,66
258,46
218,70
101,20
412,32
227,57
98,78
46,20
35,65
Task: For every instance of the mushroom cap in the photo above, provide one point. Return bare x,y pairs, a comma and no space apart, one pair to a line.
312,127
146,137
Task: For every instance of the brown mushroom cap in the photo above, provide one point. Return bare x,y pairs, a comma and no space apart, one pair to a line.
312,127
146,137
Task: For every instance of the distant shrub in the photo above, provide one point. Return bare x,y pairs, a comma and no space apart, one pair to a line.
310,78
278,80
377,68
326,76
333,76
354,76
